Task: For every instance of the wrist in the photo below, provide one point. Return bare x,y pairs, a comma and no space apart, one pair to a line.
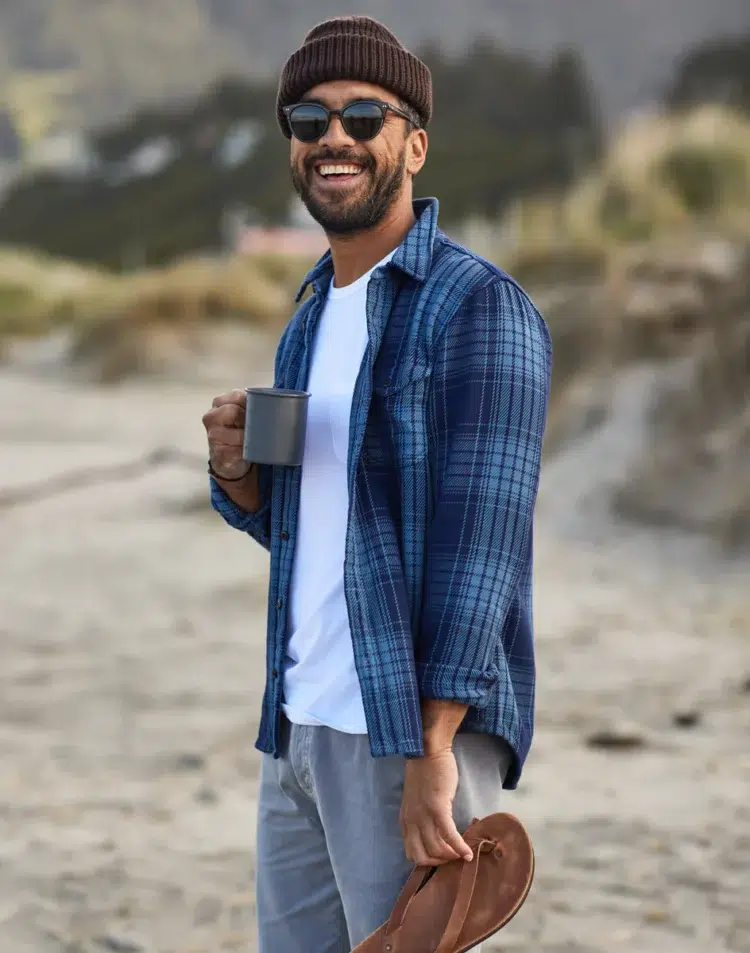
244,491
435,743
441,721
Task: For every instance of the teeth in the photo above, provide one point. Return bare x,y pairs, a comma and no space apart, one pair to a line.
339,170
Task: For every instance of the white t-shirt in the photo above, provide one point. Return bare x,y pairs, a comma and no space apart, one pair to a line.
321,686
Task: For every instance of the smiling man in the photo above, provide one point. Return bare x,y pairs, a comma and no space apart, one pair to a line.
399,697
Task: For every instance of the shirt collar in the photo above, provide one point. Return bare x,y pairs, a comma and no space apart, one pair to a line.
413,256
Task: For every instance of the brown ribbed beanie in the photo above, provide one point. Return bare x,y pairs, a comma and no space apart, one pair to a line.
355,48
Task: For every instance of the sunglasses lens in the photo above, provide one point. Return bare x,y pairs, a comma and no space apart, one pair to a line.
308,122
363,121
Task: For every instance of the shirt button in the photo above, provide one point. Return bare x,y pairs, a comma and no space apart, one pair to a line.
284,535
279,603
275,673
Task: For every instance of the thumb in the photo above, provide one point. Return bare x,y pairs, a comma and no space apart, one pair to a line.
451,836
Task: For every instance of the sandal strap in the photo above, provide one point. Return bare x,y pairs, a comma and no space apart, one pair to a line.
419,877
464,896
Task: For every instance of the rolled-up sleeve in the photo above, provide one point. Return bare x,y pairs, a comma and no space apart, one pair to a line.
258,524
490,388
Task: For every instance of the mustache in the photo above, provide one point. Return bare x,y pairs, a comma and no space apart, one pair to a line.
340,155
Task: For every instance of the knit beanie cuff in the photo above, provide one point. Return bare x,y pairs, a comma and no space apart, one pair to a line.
355,56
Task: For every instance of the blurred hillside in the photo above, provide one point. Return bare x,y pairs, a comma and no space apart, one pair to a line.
76,63
73,63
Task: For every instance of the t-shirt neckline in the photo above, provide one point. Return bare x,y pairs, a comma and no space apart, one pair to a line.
356,286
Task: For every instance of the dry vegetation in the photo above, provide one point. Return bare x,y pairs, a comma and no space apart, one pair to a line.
667,173
123,325
38,294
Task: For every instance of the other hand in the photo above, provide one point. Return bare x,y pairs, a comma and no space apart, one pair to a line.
431,837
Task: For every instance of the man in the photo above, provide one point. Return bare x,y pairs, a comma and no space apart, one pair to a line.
400,668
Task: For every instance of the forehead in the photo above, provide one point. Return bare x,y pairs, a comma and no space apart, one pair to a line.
339,92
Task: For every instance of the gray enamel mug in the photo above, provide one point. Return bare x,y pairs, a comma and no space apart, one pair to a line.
275,425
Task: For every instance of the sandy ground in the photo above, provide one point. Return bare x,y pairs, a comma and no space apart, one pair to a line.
131,647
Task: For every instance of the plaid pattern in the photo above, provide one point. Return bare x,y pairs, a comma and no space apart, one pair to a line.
445,446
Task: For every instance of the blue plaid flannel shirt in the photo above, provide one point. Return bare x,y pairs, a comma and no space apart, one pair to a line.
445,446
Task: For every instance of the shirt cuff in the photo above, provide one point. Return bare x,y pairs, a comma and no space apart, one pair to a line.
463,685
253,523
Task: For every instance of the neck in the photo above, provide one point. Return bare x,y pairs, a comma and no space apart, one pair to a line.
354,255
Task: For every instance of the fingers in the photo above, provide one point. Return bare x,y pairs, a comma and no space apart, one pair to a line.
224,416
427,844
229,415
435,844
238,397
225,436
418,854
225,429
452,839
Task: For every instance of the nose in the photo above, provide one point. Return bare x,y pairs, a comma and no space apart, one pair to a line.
335,135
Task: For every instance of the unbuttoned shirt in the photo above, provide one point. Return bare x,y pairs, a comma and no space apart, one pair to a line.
445,445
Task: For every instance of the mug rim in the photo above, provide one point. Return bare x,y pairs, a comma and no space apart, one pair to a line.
277,392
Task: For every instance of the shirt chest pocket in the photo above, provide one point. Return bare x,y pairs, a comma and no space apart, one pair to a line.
399,410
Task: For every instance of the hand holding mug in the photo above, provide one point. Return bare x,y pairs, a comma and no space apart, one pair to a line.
225,428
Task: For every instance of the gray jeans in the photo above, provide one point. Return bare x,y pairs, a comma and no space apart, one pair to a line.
331,861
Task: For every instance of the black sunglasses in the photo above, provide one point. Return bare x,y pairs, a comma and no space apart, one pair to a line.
362,119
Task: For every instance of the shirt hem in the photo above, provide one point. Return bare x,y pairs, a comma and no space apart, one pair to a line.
310,721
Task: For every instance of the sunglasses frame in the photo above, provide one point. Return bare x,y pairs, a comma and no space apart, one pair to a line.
384,107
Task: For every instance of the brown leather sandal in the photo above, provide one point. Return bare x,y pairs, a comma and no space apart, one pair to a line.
453,908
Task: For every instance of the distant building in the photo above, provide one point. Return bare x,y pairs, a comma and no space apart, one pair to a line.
302,242
301,236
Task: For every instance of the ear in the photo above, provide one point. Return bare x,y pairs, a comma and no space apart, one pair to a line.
416,151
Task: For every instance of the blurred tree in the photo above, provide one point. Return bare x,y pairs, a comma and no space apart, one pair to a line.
10,141
714,72
505,125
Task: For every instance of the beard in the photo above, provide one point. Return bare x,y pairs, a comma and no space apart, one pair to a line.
350,214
